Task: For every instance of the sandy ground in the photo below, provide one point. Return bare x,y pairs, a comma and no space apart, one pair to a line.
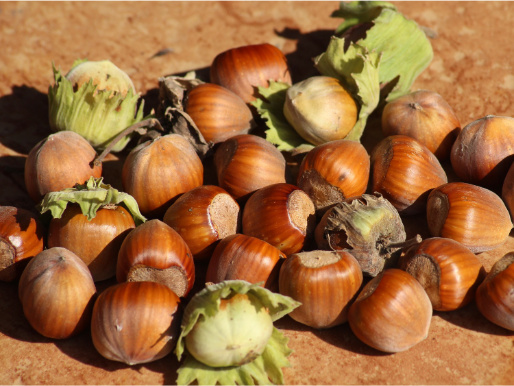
472,69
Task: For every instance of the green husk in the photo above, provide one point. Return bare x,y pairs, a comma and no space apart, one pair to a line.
91,196
260,371
270,108
265,368
361,69
97,115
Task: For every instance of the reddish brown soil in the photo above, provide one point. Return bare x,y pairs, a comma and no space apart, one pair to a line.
473,70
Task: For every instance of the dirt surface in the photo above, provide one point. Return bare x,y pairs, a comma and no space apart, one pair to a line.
472,69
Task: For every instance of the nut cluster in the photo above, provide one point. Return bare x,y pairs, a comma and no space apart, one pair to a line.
325,229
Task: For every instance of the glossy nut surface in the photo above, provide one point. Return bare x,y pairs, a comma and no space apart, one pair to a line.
156,172
392,312
97,241
483,151
507,192
57,162
246,163
218,112
333,172
242,257
21,238
404,171
324,282
425,116
156,252
495,295
203,216
448,271
243,69
135,322
57,292
282,215
474,216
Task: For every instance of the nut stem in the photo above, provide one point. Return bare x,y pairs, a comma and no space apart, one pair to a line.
407,243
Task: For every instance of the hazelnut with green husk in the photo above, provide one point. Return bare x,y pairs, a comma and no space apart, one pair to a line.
373,57
229,337
95,99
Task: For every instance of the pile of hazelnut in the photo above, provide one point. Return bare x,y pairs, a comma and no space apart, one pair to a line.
323,226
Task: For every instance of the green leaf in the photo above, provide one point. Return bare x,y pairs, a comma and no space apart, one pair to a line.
406,50
404,47
368,91
356,12
265,368
358,70
91,196
270,107
97,115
